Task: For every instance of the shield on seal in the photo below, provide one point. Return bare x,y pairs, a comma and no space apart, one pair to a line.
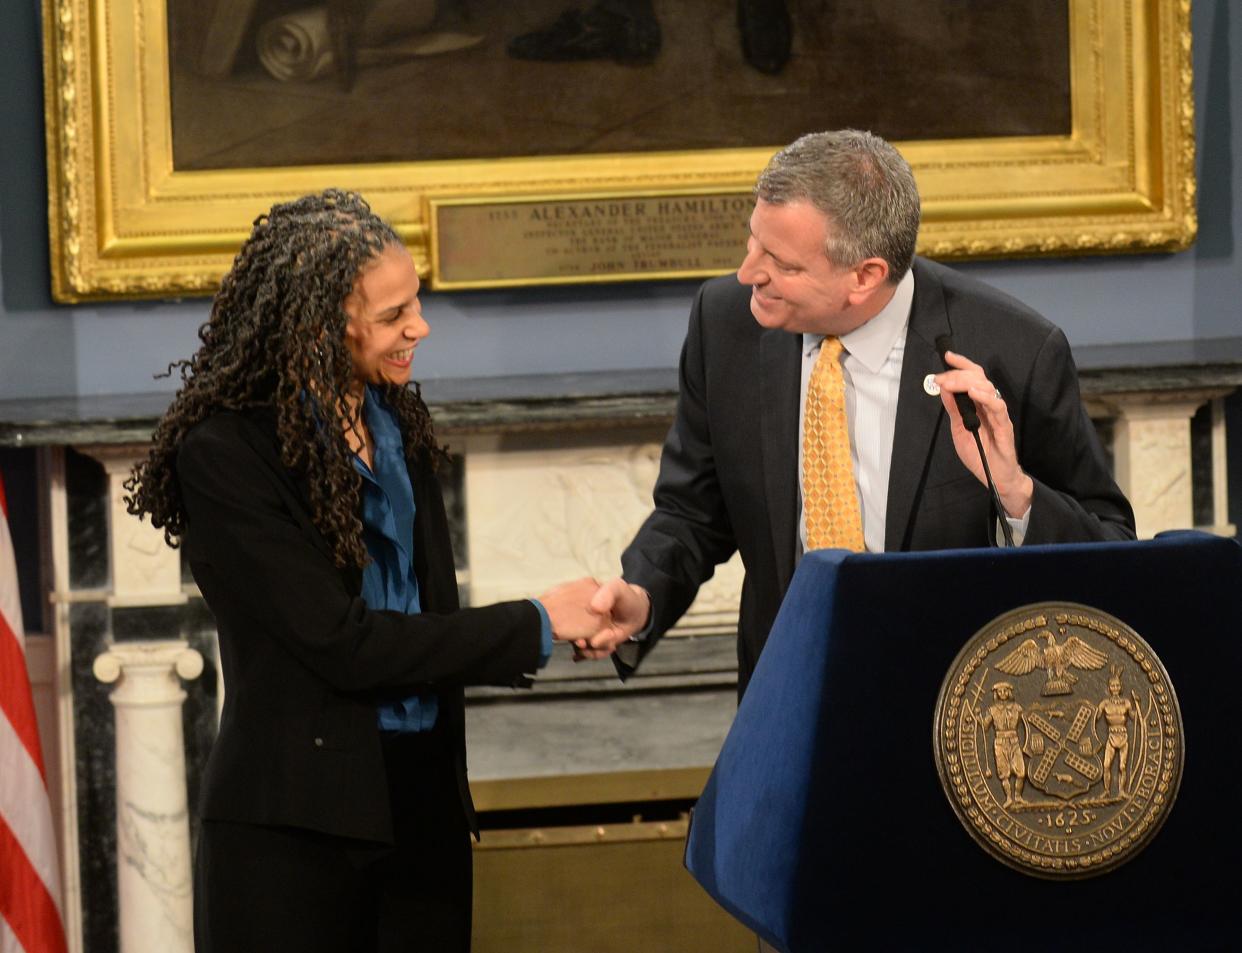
1063,748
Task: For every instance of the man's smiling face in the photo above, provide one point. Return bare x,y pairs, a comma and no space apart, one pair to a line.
794,287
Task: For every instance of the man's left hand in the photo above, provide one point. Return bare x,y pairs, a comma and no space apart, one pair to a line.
1014,487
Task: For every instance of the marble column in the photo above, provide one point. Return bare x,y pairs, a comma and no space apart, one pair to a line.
1220,473
145,571
153,833
1152,455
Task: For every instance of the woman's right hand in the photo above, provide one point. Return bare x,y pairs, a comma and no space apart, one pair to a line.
569,609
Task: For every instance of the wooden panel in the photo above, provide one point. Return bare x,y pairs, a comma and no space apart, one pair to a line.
604,890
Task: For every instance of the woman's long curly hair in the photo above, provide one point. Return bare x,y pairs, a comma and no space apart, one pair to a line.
276,336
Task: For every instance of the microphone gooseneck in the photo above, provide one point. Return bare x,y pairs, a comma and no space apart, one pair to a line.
970,420
965,406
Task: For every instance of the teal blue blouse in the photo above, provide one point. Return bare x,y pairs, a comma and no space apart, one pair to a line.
389,581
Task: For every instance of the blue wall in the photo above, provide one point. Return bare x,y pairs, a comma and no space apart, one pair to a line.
51,350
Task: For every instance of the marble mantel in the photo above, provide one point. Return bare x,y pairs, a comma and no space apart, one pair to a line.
1142,396
610,398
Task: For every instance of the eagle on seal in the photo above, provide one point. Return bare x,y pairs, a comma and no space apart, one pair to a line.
1056,660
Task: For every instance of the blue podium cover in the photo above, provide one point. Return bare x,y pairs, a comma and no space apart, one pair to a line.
824,825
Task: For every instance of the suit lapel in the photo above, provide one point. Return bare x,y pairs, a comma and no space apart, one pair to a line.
780,374
918,414
433,558
422,534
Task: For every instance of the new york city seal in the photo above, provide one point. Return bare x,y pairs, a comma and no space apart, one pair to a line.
1058,739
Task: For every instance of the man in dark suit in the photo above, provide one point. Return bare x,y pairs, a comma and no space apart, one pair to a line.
830,258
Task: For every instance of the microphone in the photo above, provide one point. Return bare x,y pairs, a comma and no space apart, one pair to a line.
970,420
965,406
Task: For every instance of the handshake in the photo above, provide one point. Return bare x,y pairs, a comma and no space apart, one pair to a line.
596,618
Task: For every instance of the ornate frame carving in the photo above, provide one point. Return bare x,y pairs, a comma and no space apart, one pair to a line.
124,223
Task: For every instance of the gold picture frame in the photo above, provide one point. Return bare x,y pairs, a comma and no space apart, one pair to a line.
124,223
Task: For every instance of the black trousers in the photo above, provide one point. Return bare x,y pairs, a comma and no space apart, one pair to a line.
272,889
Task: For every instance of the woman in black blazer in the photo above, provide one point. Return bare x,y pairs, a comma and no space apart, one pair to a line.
297,468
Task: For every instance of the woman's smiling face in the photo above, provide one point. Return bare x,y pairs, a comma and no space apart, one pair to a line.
385,319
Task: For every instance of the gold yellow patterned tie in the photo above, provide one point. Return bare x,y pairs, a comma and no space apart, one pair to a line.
829,494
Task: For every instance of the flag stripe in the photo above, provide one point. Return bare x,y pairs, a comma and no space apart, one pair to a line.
25,806
8,940
25,903
30,916
16,703
10,598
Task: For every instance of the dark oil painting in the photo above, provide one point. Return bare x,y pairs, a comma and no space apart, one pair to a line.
264,83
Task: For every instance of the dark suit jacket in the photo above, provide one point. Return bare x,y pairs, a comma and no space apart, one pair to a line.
304,659
729,472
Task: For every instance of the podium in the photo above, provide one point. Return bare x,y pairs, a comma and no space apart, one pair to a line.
824,825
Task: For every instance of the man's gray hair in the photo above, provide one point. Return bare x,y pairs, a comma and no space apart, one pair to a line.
862,184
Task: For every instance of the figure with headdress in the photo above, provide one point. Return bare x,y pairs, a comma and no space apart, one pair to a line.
1004,716
1116,710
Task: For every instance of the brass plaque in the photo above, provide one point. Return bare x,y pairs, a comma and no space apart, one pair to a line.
1058,739
481,244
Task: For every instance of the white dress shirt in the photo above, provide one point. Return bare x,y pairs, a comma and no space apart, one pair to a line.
871,361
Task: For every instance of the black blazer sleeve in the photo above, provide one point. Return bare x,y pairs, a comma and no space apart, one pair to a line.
1076,498
262,567
689,532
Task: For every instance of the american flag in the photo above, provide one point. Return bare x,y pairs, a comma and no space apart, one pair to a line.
30,914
